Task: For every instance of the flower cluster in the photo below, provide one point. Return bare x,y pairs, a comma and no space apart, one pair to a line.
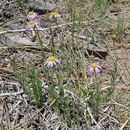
52,61
31,20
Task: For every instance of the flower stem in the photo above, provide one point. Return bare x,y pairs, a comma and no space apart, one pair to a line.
97,98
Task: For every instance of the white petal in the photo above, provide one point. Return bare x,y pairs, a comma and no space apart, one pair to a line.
58,60
97,70
89,66
54,62
99,66
49,63
46,62
90,70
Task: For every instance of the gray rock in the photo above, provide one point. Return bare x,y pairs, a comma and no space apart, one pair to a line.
16,39
41,6
96,49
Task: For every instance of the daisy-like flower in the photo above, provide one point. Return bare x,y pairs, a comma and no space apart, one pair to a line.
54,15
94,67
32,23
31,15
51,61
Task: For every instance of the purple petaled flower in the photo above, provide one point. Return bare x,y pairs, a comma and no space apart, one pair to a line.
51,61
94,67
55,15
31,15
32,23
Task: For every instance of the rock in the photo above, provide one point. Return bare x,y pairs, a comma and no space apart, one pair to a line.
40,6
16,39
115,9
96,49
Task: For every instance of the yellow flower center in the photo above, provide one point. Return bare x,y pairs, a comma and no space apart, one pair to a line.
51,58
54,13
94,65
31,22
31,13
114,36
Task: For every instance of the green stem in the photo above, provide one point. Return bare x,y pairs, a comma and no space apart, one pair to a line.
97,98
86,119
40,42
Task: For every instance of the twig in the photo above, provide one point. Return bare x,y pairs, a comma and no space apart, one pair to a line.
26,120
119,104
124,124
54,101
102,120
105,88
11,94
88,109
10,111
116,121
8,123
67,91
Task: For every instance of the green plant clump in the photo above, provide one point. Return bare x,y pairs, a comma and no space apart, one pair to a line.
31,85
